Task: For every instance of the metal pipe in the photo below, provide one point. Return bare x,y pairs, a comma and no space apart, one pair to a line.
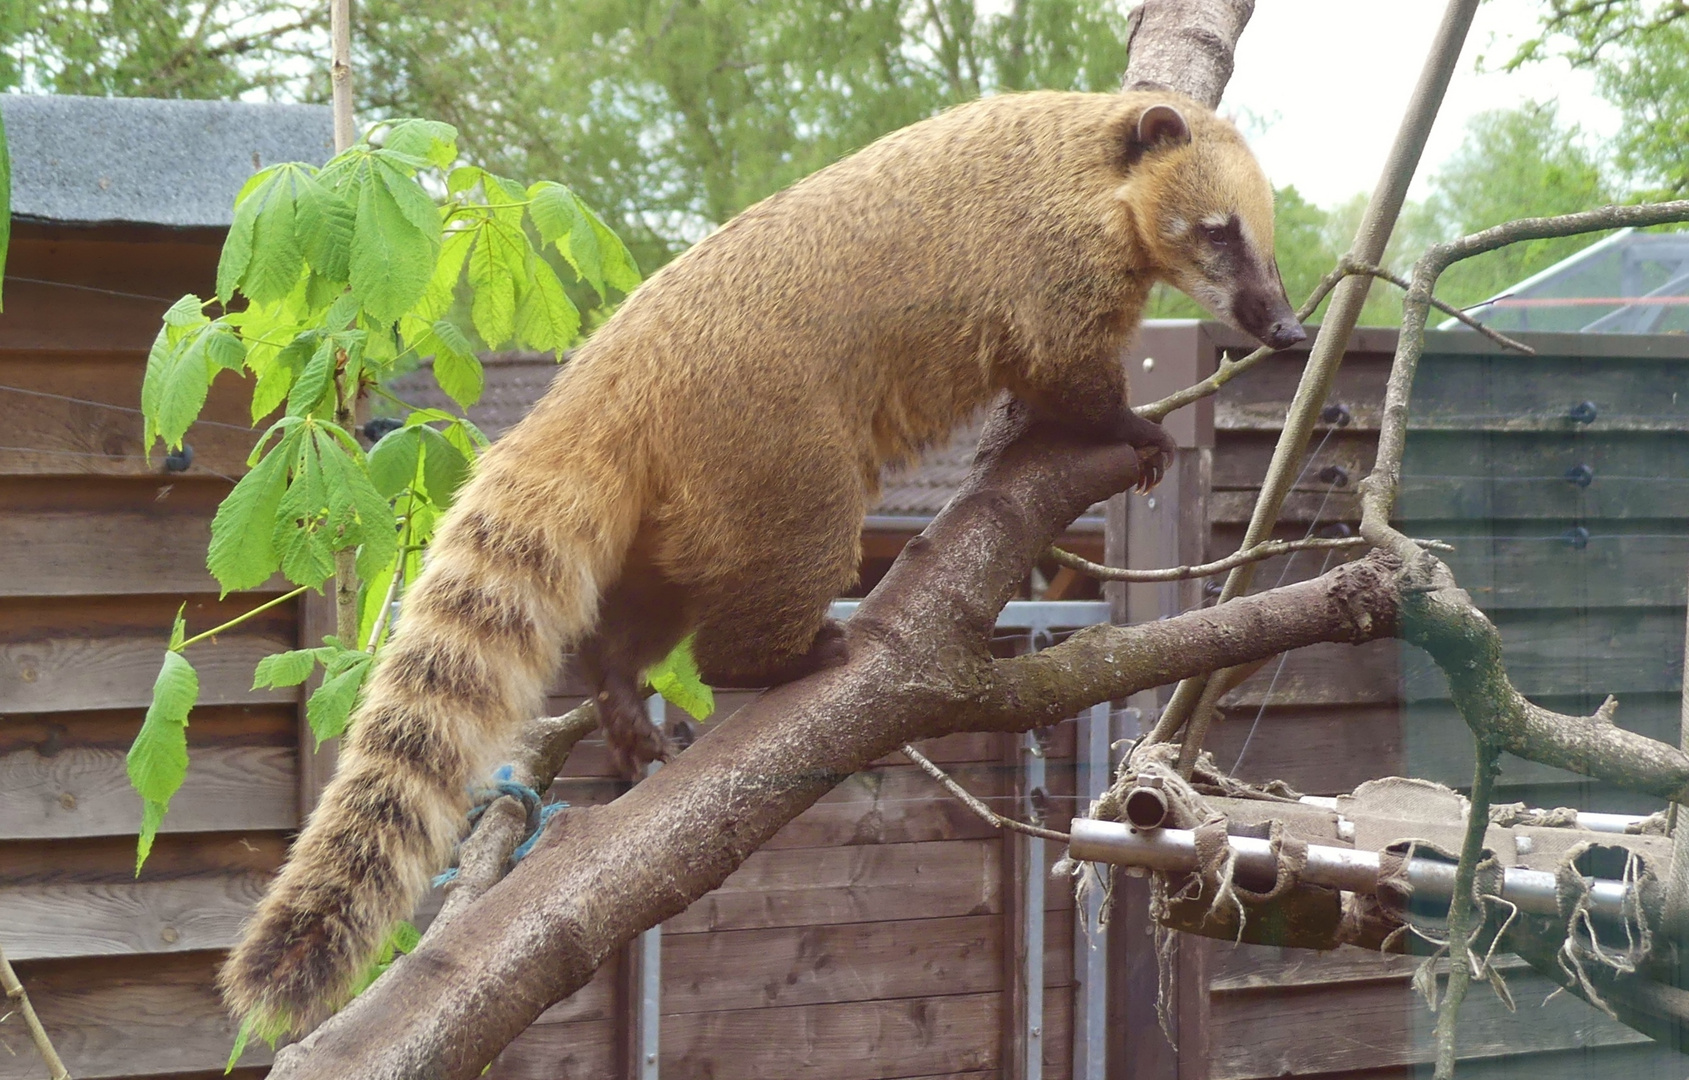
1146,807
1592,822
1174,850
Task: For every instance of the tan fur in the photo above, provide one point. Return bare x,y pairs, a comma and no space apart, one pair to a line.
705,461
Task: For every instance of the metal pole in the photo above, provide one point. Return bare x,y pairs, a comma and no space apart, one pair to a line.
648,1022
1090,942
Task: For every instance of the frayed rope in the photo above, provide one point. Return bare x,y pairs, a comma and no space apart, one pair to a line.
538,814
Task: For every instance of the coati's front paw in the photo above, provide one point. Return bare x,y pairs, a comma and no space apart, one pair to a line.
1154,458
633,740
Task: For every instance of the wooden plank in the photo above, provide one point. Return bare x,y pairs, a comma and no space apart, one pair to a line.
1326,674
582,1051
1575,652
1265,967
1371,1025
99,431
64,654
1524,475
851,884
750,969
865,1040
1531,564
111,1017
899,805
85,919
1300,507
85,792
1316,750
1240,460
111,860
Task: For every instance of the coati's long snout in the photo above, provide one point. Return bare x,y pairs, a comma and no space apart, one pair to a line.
1264,313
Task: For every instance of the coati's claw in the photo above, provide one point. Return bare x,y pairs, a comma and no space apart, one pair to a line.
1153,462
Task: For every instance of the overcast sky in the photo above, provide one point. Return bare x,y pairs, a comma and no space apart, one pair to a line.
1329,79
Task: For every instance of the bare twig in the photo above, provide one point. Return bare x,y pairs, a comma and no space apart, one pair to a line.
1447,309
1461,908
1218,566
1195,698
973,803
19,997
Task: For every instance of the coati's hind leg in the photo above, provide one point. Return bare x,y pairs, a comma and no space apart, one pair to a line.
739,652
641,619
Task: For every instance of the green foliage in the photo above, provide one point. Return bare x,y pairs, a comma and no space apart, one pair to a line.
403,940
672,118
348,272
676,678
1639,51
1515,163
158,760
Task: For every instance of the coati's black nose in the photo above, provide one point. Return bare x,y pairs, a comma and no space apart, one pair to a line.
1285,333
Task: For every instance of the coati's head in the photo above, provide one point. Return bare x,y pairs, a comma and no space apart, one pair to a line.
1203,212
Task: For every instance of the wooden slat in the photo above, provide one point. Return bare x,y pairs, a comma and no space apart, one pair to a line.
107,554
59,655
97,434
1567,652
1278,1032
852,884
581,1051
897,805
86,792
82,919
138,1016
853,1041
1326,674
1263,967
750,969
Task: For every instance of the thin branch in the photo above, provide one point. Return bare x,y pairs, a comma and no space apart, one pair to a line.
19,997
484,855
1447,309
973,803
1460,921
1237,558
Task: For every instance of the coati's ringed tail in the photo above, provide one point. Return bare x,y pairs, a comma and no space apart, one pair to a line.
703,464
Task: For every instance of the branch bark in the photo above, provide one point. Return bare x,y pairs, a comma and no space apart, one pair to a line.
1184,45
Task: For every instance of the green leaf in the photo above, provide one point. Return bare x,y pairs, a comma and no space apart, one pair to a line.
428,139
330,707
545,319
325,218
499,258
237,245
277,378
393,460
242,553
442,283
444,467
403,938
554,211
676,678
223,349
248,1026
276,255
299,537
406,938
394,243
178,375
287,668
158,759
313,382
619,268
456,367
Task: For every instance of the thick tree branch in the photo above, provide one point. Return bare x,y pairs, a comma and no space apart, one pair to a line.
1184,45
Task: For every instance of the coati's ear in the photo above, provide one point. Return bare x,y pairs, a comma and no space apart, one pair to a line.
1162,123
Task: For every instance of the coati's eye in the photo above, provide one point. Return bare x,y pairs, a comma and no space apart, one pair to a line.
1218,235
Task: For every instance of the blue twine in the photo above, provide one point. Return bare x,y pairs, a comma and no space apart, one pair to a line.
538,815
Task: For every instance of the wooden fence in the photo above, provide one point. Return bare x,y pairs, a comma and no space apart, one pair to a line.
1563,481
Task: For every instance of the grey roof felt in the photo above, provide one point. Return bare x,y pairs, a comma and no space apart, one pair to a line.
148,161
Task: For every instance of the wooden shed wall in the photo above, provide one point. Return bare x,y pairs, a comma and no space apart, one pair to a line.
98,547
873,938
1486,469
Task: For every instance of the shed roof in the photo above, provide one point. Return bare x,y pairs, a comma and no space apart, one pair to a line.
146,161
908,497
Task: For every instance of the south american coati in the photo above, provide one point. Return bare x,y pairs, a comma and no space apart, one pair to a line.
704,462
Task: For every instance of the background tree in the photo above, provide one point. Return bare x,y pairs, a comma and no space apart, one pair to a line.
160,48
